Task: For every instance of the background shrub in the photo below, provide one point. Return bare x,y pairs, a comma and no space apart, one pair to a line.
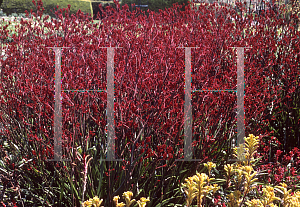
19,6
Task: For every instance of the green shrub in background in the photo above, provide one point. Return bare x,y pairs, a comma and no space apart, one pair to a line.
154,5
19,6
2,14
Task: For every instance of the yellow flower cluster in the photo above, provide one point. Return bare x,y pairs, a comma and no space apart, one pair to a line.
288,200
198,186
127,195
93,202
209,166
240,173
243,179
142,202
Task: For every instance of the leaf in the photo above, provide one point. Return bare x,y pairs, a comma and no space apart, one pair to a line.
3,170
183,171
37,171
257,160
218,180
73,187
279,190
137,159
163,203
23,161
100,178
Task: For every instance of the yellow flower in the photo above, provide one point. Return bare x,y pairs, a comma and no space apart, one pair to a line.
145,199
215,188
87,203
198,181
234,198
251,144
209,166
229,169
283,185
239,176
287,198
269,196
142,202
116,199
249,176
190,191
295,200
92,202
229,172
128,195
96,201
245,152
254,203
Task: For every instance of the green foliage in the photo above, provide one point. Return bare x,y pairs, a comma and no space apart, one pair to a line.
19,6
154,5
96,9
